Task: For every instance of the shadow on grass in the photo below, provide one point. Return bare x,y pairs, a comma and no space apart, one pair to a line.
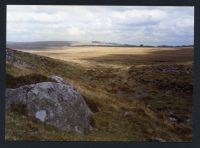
15,82
153,57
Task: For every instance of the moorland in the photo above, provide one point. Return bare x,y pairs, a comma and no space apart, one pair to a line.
135,93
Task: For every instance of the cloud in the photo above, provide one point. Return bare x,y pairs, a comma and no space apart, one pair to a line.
123,24
74,31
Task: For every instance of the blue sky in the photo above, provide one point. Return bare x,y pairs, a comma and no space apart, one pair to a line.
123,24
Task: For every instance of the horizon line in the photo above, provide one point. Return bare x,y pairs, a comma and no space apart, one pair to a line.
142,44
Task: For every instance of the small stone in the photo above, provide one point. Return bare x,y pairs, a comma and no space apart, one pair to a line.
156,139
126,114
172,119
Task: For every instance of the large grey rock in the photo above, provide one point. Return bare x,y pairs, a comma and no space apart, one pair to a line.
56,103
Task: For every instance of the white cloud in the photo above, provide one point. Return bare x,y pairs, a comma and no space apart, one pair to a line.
74,31
124,24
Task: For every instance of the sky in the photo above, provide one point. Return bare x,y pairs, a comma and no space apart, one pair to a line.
158,25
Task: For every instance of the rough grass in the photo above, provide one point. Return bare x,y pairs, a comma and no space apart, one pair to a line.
44,65
139,114
109,123
117,117
16,71
151,57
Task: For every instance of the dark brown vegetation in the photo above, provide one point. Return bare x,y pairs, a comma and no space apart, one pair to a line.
179,55
15,82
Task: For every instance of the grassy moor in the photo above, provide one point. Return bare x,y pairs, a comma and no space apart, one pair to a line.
135,94
99,73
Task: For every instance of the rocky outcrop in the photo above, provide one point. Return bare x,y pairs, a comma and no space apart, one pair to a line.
55,103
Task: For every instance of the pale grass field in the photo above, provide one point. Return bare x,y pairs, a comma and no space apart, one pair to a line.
80,54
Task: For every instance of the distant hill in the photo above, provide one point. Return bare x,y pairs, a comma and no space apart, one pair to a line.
39,45
65,44
60,44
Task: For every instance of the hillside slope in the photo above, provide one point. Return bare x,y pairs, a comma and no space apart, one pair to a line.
126,105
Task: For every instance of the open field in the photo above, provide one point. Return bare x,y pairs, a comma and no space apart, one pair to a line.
136,94
88,56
